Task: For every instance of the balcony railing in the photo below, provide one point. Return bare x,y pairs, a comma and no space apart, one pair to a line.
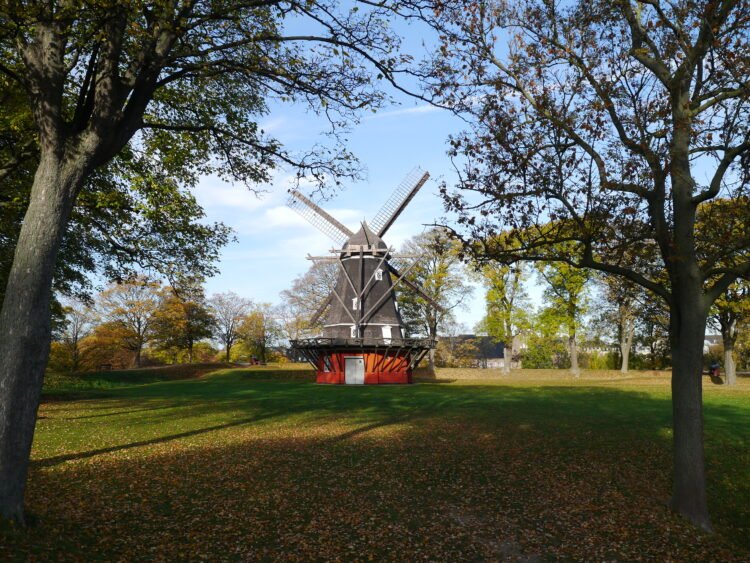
322,342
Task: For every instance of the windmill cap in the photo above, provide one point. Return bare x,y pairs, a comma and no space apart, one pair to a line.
365,237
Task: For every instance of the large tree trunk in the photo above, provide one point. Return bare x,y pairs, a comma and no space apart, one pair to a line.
729,336
507,356
730,369
431,361
25,323
432,333
76,363
229,351
626,343
688,326
573,347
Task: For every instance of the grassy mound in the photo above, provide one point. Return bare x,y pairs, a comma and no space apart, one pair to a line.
67,383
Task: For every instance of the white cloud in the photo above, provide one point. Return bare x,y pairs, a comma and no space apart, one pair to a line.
212,192
283,216
414,110
273,125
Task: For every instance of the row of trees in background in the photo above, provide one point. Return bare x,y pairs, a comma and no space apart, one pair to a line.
614,322
585,320
141,322
589,320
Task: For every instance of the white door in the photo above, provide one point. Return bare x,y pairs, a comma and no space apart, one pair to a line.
354,371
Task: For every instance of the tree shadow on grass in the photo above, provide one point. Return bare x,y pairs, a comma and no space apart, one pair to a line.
556,432
120,412
55,460
550,406
408,486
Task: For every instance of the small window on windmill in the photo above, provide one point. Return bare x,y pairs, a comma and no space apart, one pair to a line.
353,331
386,333
355,303
379,274
327,363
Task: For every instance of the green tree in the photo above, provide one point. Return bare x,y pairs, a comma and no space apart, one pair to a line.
129,308
507,305
654,333
182,83
742,346
589,123
79,322
545,349
260,331
620,306
228,310
182,320
438,272
566,300
124,221
130,214
729,311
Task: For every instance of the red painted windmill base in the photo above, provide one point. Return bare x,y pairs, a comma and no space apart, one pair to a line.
356,361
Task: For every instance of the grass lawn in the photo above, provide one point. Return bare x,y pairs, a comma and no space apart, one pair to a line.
250,464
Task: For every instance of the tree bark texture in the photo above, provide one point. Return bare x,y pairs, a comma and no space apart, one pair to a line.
25,323
432,332
573,347
626,343
730,369
508,356
729,336
688,326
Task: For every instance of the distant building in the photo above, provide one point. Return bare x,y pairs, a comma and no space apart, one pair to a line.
487,352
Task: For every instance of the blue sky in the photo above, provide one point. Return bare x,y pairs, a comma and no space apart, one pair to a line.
273,240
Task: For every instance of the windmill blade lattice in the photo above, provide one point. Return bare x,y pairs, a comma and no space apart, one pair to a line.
318,217
400,198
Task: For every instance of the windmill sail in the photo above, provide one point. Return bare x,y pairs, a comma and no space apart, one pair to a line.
319,218
400,198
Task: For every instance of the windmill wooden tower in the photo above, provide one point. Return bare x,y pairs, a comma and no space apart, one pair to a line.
363,339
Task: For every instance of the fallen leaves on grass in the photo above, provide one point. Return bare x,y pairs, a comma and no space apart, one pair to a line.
447,484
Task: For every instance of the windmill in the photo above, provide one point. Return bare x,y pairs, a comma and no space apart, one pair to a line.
363,338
